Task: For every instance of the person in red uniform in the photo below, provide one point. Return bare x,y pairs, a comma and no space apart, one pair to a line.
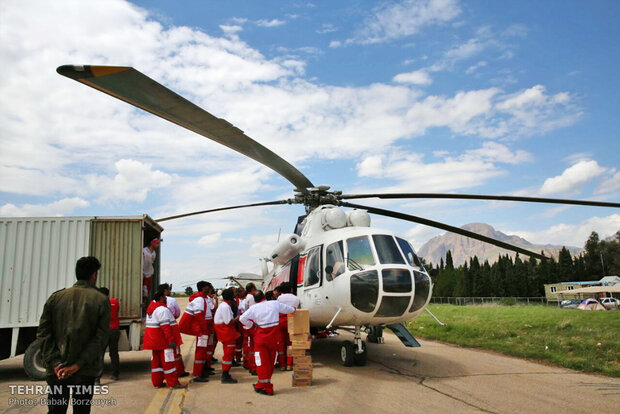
265,315
194,322
212,341
160,338
285,295
248,333
225,326
115,333
173,306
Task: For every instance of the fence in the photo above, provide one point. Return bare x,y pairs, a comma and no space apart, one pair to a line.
482,300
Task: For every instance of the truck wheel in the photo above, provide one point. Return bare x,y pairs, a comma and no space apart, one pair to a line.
33,362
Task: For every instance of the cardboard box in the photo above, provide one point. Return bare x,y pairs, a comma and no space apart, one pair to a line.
302,373
297,352
302,382
299,337
302,361
299,322
301,344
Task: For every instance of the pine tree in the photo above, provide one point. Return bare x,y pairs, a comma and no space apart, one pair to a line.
566,269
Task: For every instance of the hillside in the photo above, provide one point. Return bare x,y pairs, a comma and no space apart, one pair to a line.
463,248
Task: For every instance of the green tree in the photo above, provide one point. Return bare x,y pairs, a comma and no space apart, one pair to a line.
593,256
566,268
189,291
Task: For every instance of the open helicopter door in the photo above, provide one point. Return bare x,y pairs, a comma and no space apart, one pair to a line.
292,279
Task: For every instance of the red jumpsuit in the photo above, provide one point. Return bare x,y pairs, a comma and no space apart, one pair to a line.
265,315
227,333
194,322
158,336
284,348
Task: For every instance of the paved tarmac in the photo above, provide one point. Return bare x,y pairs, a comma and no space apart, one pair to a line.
436,378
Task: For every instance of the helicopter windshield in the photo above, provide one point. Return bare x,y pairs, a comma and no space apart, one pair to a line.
409,254
359,253
387,250
335,258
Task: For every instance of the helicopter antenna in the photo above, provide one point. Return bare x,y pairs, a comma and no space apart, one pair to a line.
279,232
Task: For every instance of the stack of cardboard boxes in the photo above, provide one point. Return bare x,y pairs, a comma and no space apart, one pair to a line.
299,332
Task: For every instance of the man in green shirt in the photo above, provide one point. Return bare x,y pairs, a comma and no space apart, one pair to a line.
74,330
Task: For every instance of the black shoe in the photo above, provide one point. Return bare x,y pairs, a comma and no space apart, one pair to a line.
201,379
263,392
236,364
227,379
114,377
185,374
253,373
162,385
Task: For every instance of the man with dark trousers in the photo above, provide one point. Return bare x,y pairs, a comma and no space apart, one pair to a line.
74,331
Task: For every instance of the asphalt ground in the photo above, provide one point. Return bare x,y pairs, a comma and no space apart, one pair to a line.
436,378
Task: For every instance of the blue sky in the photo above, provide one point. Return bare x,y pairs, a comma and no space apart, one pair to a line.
510,97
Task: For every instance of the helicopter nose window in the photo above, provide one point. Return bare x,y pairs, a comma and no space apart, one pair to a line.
409,254
359,253
422,289
387,250
335,258
365,290
393,305
396,280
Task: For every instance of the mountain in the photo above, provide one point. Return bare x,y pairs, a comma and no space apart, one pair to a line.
463,248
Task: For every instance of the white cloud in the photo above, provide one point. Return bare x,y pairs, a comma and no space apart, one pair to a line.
210,240
610,184
405,18
57,208
418,77
573,234
411,173
573,178
133,181
370,166
420,234
231,29
326,28
475,67
500,153
270,23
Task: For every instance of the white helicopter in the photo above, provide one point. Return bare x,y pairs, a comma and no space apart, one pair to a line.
348,274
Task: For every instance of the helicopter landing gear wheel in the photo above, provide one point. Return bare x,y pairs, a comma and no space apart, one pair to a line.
360,359
347,354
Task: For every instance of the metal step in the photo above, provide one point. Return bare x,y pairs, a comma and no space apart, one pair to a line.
403,334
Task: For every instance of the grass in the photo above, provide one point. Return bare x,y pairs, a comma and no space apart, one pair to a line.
571,338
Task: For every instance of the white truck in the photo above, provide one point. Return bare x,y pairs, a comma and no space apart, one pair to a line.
37,258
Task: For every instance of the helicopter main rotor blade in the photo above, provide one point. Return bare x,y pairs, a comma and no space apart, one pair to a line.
135,88
482,197
267,203
443,226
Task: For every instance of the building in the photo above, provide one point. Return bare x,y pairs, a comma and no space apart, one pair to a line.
556,292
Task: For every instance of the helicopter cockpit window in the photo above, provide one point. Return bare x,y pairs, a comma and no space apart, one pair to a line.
409,254
359,253
313,267
335,258
387,250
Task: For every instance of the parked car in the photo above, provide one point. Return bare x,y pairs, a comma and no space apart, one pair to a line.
570,303
610,303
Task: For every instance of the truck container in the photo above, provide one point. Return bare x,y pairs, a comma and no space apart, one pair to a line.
37,258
